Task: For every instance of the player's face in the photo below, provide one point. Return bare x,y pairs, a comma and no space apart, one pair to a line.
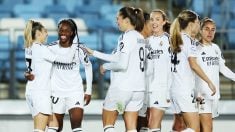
157,22
65,32
121,23
208,32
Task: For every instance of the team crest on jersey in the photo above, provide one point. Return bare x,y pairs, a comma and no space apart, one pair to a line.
161,43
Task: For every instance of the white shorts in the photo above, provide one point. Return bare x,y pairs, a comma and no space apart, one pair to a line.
184,104
158,100
209,106
62,104
143,111
123,100
39,103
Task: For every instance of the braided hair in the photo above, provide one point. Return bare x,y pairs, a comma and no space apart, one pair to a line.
73,26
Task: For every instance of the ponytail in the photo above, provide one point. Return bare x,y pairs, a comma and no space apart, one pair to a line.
139,22
135,16
28,40
30,32
166,27
181,23
176,39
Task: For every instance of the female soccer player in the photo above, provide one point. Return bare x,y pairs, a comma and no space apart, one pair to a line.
159,68
142,121
66,82
184,67
126,91
39,61
212,62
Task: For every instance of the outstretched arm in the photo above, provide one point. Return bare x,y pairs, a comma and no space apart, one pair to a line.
197,69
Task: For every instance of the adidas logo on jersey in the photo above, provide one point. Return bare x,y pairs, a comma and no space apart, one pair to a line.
203,53
78,103
156,102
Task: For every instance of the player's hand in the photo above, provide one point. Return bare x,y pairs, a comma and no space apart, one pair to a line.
29,76
102,70
199,99
87,99
213,89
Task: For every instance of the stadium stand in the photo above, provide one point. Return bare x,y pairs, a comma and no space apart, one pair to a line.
56,11
27,11
5,48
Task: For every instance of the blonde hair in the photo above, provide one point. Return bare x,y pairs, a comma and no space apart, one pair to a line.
28,41
206,20
30,32
180,23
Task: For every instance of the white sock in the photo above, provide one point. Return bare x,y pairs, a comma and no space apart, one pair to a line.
109,128
155,130
52,129
37,130
77,130
132,130
188,130
144,129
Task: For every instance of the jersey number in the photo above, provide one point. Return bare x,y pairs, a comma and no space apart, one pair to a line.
141,56
28,63
174,61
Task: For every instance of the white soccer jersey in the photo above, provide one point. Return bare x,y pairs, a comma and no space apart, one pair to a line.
66,79
39,62
127,64
212,62
183,79
159,64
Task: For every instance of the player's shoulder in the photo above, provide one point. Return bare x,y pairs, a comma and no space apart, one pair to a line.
81,47
54,43
215,46
133,34
167,35
187,39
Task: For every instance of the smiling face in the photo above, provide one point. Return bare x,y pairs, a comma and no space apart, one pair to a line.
65,34
157,22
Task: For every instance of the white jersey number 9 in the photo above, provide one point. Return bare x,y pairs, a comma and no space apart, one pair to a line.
141,56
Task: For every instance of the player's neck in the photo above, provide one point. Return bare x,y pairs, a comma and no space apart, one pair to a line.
159,33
